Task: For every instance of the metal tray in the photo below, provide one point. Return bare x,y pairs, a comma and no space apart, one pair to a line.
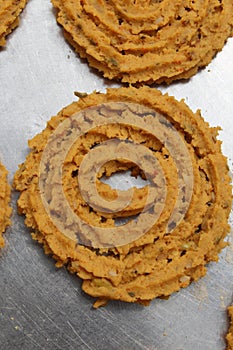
42,307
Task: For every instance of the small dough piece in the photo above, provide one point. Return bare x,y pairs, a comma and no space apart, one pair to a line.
229,336
146,41
9,17
5,210
160,261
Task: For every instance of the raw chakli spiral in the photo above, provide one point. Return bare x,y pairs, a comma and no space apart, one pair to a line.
9,17
5,210
146,41
229,336
157,263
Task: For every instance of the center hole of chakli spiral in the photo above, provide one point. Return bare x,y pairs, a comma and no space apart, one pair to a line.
124,180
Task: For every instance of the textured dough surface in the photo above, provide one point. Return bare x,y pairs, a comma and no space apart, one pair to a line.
9,17
146,41
156,264
5,210
229,336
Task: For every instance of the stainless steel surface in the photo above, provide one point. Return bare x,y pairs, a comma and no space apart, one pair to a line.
42,307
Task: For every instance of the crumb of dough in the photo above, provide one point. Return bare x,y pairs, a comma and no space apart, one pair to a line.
146,41
5,210
229,336
169,255
100,303
9,17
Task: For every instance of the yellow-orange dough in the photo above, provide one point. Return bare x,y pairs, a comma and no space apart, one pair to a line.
159,262
9,17
5,210
146,41
229,336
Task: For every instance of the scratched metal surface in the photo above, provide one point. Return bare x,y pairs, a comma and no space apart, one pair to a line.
42,307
